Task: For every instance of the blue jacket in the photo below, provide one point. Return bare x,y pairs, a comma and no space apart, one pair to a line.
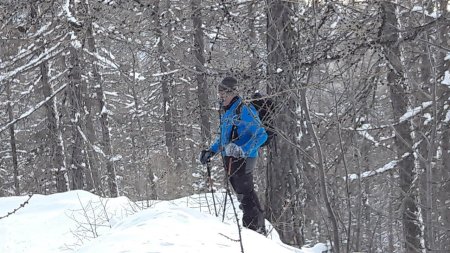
251,133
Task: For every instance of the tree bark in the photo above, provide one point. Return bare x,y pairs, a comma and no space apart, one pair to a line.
12,141
444,172
140,138
202,88
76,102
412,232
104,122
76,99
282,199
54,133
165,80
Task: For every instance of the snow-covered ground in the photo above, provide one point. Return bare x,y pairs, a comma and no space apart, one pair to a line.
78,221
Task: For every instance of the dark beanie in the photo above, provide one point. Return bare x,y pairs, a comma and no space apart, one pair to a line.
229,83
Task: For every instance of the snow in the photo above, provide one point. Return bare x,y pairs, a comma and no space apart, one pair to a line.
111,93
422,10
390,165
363,131
447,57
137,76
165,73
447,116
116,158
106,111
47,54
411,113
446,80
42,29
79,221
98,150
69,15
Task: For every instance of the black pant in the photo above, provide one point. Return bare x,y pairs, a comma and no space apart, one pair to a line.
240,174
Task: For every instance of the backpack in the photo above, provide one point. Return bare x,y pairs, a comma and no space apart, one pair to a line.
265,108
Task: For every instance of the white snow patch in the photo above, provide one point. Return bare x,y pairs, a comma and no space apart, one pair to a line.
446,80
363,130
137,76
79,221
165,73
447,57
422,10
390,165
447,116
413,112
69,15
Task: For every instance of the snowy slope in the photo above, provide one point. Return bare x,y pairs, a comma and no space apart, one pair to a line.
79,221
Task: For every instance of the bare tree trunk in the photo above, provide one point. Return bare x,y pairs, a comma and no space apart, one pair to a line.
12,141
426,148
443,92
166,78
282,203
310,183
54,132
359,199
413,236
202,88
106,136
94,165
253,73
151,192
321,172
444,195
391,215
76,117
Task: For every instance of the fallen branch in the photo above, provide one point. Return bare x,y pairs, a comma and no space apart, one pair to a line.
17,209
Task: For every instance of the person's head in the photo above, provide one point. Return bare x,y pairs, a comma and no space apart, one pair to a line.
228,89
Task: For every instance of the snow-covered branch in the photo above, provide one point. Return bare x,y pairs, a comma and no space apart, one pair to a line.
46,55
102,59
70,18
388,166
33,109
411,113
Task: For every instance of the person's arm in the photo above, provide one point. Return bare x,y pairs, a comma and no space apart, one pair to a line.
215,146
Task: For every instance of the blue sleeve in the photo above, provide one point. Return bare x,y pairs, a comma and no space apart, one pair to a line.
253,131
215,146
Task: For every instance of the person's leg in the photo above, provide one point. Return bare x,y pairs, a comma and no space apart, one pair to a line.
242,181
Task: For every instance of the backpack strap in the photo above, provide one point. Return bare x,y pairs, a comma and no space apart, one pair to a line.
234,134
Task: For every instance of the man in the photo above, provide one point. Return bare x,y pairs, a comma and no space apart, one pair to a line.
241,135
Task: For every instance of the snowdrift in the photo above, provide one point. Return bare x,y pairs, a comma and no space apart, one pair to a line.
78,221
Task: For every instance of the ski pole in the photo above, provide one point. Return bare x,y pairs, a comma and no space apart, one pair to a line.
228,174
208,168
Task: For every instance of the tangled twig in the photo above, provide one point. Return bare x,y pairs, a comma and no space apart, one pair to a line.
229,238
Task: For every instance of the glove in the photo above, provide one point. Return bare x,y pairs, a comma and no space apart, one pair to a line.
233,150
205,155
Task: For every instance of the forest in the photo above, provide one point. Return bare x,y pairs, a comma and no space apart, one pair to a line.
118,97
